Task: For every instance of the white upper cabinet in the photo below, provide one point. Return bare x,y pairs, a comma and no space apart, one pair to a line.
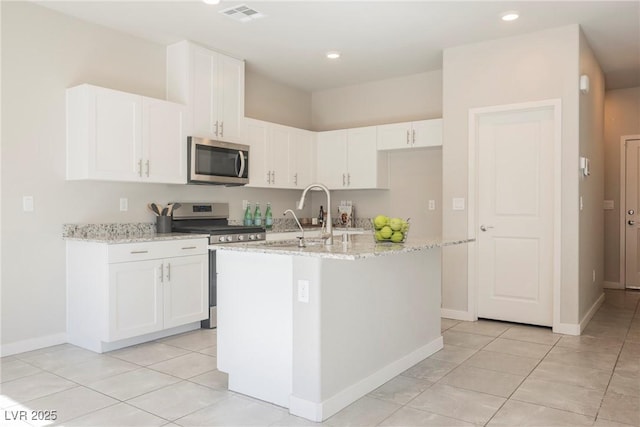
280,156
119,136
164,133
424,133
303,160
349,159
212,87
332,158
268,155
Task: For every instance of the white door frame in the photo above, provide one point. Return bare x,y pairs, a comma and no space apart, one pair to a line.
472,225
623,206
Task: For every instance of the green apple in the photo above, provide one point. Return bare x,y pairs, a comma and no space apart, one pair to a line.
386,232
380,221
396,224
397,236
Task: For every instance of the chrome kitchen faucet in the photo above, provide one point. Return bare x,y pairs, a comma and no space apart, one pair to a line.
328,236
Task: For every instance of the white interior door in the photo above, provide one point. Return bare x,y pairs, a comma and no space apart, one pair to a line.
515,215
632,217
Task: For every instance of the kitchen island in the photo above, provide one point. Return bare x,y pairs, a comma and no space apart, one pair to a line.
314,329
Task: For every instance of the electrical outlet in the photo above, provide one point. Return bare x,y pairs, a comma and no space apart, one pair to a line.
458,204
27,203
303,291
432,205
609,205
124,204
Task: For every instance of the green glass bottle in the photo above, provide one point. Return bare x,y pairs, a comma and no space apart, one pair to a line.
257,215
268,217
248,217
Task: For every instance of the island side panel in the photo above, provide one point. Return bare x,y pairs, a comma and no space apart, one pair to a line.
379,316
255,323
306,338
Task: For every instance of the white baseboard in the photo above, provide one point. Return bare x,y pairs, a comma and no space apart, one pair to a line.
32,344
319,411
596,305
566,328
577,328
448,313
612,285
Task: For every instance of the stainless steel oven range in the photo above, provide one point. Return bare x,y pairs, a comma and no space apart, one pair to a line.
213,219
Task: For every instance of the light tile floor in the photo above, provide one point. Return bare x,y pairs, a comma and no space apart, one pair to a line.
489,373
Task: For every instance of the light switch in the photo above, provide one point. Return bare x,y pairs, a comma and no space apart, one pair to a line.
581,203
27,203
609,205
458,203
432,205
124,204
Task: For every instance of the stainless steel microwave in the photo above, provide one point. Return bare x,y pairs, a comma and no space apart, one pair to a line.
217,162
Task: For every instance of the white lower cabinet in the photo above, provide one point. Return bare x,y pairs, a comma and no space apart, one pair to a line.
135,299
122,294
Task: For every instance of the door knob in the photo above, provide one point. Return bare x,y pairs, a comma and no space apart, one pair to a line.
485,227
631,222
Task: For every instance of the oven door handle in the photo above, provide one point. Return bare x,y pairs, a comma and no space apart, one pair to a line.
242,164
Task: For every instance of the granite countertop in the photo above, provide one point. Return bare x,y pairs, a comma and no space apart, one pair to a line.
360,246
121,233
312,228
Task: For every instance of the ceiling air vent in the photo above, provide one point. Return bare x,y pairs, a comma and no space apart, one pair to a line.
242,13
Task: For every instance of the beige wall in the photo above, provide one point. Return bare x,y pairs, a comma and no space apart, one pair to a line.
591,255
266,99
43,53
622,117
402,99
532,67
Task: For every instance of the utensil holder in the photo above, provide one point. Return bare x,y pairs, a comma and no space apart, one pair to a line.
163,224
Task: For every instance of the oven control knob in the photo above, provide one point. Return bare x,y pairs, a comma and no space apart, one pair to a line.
229,238
258,236
241,237
221,239
252,237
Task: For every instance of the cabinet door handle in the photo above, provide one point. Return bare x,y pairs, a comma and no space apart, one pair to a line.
414,137
216,131
140,168
295,178
161,273
349,179
407,137
273,176
147,164
221,129
139,252
189,247
344,180
168,271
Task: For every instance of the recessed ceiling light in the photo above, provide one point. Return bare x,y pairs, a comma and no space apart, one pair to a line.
333,54
511,15
211,1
